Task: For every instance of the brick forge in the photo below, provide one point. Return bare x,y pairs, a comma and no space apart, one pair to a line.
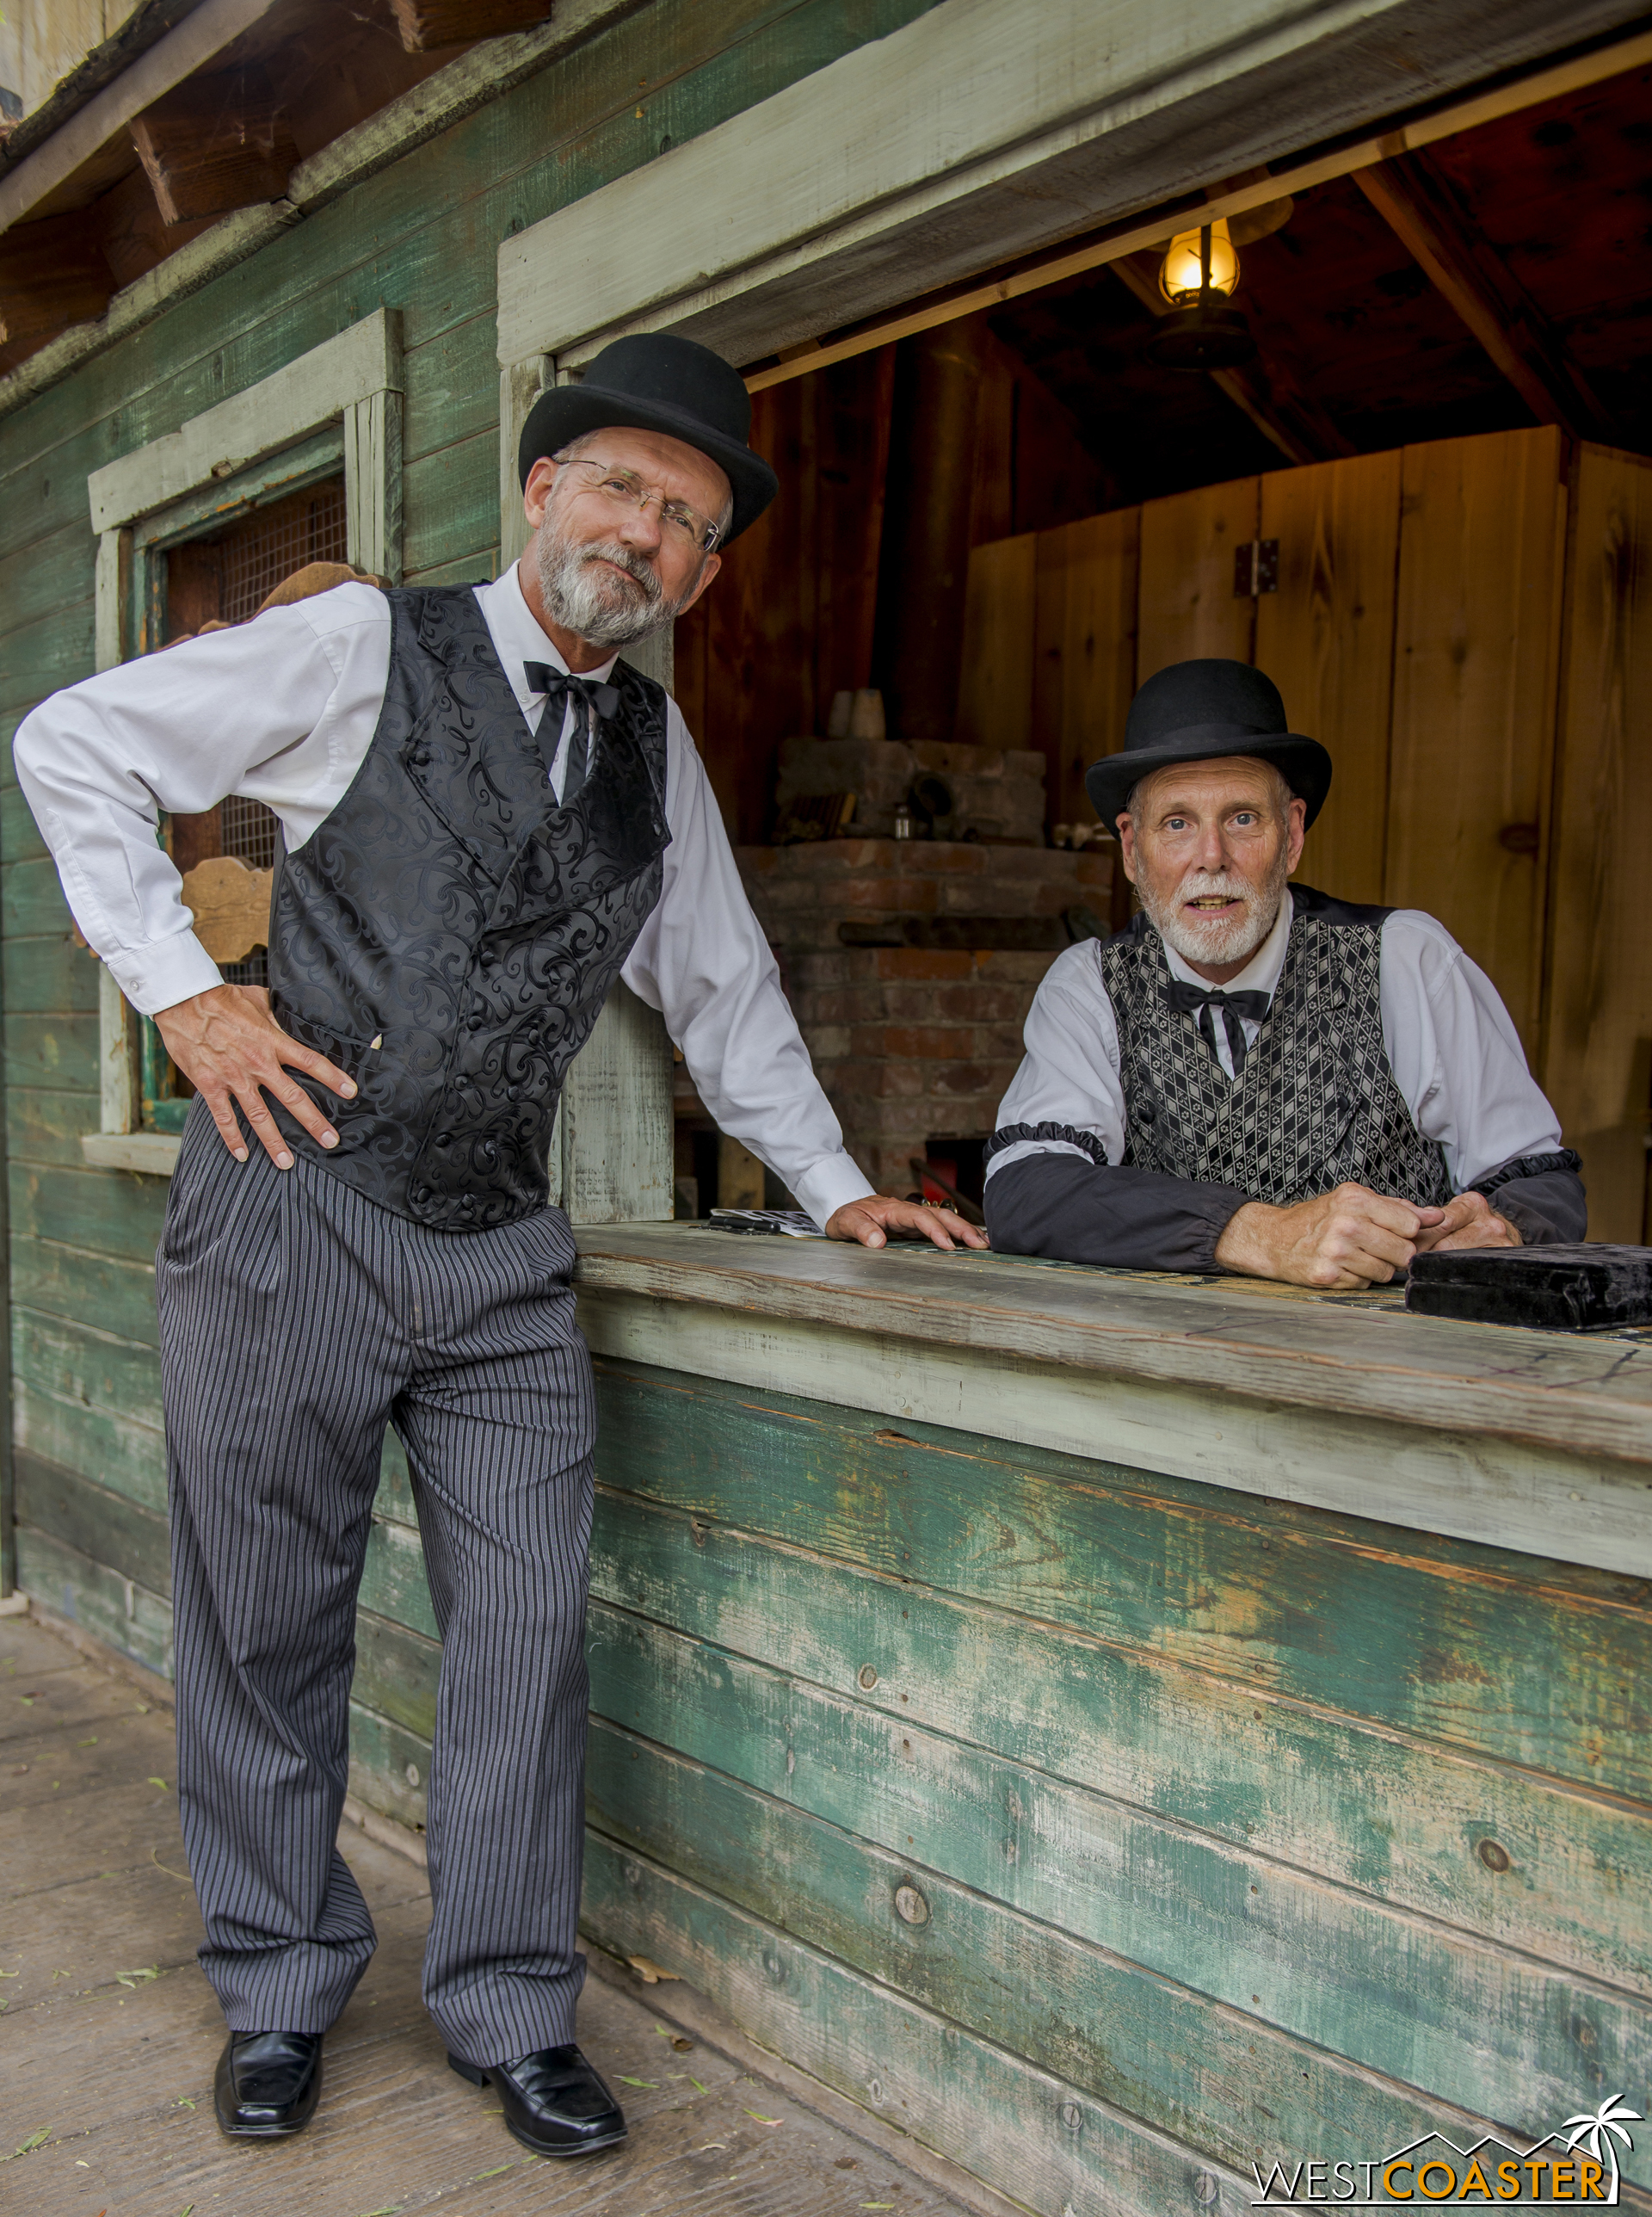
913,1043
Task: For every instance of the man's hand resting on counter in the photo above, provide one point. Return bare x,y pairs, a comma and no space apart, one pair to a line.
1468,1219
871,1220
233,1052
1350,1238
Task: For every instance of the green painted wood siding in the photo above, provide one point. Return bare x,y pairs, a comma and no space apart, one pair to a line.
420,237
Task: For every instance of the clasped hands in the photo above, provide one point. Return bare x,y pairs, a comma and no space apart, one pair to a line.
1352,1237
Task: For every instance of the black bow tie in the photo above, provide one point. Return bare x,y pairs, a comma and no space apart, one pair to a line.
601,703
1198,1001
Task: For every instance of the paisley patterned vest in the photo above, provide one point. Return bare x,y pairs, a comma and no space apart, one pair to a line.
449,934
1316,1102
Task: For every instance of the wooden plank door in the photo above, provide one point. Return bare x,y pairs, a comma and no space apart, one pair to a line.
1598,1046
1084,666
1475,634
1187,605
1326,638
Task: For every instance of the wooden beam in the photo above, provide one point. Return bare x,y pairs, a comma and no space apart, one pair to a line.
204,32
1439,234
52,274
215,145
1158,229
1288,417
427,23
134,235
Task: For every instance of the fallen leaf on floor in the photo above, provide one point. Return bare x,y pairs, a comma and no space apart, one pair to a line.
10,1974
762,2119
877,2205
498,2171
710,2145
183,2102
142,1709
161,1782
390,2209
683,2046
650,1973
170,1873
695,2084
652,2084
92,1742
34,2140
138,1977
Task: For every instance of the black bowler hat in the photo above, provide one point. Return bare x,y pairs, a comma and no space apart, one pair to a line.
655,382
1199,712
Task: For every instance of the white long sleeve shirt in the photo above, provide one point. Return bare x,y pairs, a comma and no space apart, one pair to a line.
283,710
1451,1046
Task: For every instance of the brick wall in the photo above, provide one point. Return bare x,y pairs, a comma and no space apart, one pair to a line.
912,1043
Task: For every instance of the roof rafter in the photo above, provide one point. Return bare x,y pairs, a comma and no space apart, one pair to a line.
1421,209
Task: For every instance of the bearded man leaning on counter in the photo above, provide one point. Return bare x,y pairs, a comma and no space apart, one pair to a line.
1255,1077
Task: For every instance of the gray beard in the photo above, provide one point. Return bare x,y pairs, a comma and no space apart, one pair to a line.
595,605
1229,940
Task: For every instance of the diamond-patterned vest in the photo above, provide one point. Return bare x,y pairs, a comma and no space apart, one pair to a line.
449,934
1316,1101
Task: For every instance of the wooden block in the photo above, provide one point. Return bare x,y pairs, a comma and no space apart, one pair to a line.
52,274
1597,1066
1187,606
1475,651
427,23
134,234
739,1175
214,144
1085,647
231,905
994,692
1326,638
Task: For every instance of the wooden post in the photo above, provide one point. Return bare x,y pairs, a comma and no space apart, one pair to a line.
611,1152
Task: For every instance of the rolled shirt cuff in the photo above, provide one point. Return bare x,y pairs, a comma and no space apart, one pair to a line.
164,972
831,1184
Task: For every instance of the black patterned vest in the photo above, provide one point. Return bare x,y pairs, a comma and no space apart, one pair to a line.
1316,1102
449,934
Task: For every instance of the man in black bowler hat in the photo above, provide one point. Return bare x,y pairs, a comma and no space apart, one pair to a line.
488,819
1255,1077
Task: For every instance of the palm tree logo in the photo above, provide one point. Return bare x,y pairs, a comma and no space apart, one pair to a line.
1597,2130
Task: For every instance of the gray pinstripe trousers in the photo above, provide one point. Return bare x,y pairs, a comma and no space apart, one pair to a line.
297,1319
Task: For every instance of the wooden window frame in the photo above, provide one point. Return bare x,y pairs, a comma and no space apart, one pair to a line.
340,406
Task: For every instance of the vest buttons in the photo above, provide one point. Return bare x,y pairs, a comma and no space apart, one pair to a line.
1144,1112
476,1022
444,1140
420,1193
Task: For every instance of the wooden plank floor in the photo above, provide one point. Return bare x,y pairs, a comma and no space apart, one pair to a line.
109,2033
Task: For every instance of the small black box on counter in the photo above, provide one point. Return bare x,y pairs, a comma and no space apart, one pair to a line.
1580,1288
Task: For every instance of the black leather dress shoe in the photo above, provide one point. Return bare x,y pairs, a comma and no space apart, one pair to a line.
268,2084
554,2101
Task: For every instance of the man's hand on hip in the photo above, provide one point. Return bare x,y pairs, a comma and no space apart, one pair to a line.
1469,1220
871,1220
1344,1239
233,1052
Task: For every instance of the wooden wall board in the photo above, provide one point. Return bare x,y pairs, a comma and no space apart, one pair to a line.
73,1282
112,1606
1389,1626
1042,2140
1388,1991
1476,633
994,692
97,1521
1326,638
1160,2051
1393,1816
1084,670
1597,1065
1186,605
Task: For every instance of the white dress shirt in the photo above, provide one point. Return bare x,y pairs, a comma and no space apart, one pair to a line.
1455,1054
283,710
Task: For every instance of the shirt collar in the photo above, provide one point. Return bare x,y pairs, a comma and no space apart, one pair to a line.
1261,973
518,639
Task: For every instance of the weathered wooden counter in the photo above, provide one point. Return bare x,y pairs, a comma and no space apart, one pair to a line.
1124,1729
1120,1729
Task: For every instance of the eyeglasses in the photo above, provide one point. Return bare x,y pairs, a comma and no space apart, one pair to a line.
624,489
